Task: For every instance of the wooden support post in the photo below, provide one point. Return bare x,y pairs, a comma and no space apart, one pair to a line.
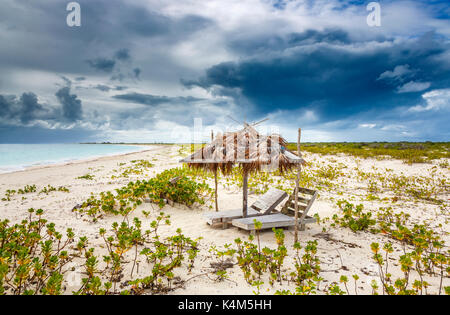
245,193
297,184
215,177
215,187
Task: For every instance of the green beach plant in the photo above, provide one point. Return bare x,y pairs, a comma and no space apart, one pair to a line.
33,255
158,190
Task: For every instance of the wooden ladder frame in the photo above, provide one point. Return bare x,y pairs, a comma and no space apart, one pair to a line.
304,204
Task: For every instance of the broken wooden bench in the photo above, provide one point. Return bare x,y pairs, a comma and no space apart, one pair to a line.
264,205
286,218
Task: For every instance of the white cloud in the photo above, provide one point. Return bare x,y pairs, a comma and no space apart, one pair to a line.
367,125
435,100
413,86
397,73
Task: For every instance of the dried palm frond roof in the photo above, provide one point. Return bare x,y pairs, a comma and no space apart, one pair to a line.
246,147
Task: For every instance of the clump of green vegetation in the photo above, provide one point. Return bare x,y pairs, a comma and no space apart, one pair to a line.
353,217
183,150
223,260
87,177
186,149
409,152
422,260
32,256
158,190
49,189
142,163
431,188
255,260
31,189
163,256
9,193
259,263
28,189
423,248
137,168
307,269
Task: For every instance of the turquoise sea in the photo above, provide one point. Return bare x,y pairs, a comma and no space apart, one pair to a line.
15,157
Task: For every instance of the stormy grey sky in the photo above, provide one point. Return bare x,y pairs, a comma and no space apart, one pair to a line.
141,71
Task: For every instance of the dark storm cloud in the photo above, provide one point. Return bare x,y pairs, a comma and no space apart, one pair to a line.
23,109
66,80
153,100
334,80
120,65
261,58
102,87
270,43
176,110
107,88
334,36
30,107
5,106
102,64
110,26
122,54
137,72
71,105
26,110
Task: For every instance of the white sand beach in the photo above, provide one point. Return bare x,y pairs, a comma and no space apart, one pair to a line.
341,251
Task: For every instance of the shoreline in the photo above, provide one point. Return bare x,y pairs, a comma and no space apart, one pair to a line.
75,161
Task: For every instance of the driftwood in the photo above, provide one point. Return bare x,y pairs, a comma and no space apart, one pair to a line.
329,238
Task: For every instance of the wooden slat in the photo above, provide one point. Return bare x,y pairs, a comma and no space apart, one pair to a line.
303,200
301,208
306,191
291,204
309,206
267,202
267,221
264,205
221,216
309,219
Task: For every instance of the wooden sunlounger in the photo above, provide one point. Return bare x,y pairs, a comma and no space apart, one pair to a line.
264,205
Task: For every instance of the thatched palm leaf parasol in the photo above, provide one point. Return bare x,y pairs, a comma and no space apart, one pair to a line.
248,149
